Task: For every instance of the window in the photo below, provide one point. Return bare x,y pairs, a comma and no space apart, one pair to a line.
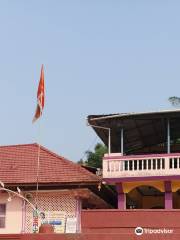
2,215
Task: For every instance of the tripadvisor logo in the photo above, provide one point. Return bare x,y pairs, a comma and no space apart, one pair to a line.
139,231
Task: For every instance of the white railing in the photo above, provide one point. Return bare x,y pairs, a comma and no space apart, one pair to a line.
117,166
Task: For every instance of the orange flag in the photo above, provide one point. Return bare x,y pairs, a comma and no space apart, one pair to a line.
40,96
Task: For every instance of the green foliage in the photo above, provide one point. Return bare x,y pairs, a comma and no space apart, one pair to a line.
175,101
94,159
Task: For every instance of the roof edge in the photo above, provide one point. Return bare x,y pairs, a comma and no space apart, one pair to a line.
119,115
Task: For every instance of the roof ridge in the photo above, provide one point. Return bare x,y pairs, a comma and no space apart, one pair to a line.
19,145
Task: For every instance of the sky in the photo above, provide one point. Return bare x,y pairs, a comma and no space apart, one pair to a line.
100,57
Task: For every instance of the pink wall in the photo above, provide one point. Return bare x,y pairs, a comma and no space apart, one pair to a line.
19,217
13,214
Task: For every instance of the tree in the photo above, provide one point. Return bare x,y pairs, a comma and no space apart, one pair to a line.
94,159
175,101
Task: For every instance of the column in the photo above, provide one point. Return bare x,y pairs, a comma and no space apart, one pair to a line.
121,197
168,195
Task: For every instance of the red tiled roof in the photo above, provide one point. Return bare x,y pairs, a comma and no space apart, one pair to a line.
18,164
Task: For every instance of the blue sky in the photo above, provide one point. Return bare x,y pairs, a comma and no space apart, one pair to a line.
99,56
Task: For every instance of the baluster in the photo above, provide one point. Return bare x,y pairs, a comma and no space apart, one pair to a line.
123,165
120,168
156,164
108,166
132,165
113,166
172,163
117,166
160,163
151,164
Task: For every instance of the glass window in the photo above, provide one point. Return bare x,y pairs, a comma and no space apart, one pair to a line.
2,215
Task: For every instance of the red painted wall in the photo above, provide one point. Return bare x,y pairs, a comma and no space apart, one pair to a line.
116,225
95,236
125,222
102,236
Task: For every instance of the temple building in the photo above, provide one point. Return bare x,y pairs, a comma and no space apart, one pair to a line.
64,188
143,160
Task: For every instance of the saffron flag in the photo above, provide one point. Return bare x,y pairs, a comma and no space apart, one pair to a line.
40,97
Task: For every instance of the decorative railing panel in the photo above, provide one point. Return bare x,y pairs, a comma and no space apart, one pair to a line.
115,166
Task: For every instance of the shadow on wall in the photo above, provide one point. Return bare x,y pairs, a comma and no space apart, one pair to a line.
145,197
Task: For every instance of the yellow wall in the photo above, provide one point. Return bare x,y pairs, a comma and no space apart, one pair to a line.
128,186
175,186
148,202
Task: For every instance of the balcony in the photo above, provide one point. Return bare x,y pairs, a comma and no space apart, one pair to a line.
117,166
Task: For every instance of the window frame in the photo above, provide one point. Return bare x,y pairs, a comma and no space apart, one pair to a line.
3,216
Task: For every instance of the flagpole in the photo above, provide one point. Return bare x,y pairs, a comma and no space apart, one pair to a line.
37,175
38,114
38,158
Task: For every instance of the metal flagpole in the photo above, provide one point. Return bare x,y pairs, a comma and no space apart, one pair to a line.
38,114
38,158
37,174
